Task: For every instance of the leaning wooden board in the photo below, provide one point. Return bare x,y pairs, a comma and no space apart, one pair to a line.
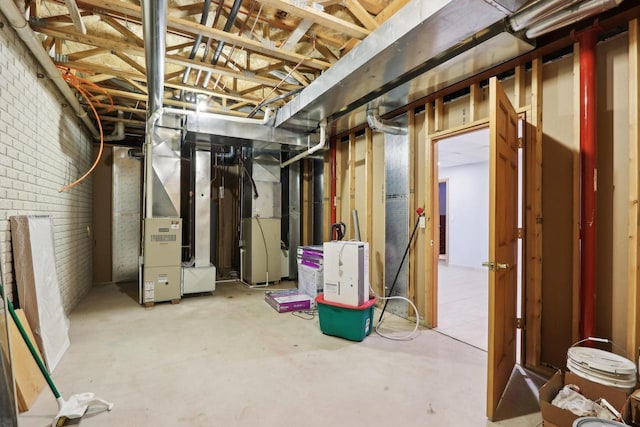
29,379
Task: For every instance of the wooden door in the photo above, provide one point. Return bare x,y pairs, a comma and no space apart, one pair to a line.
503,240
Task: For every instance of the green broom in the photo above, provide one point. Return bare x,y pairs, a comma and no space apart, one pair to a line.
78,404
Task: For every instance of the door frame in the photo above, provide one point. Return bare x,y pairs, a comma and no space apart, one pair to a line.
446,214
432,199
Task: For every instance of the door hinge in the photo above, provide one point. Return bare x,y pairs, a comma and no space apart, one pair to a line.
519,323
539,220
520,142
520,233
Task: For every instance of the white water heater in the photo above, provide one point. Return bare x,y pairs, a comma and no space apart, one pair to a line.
346,272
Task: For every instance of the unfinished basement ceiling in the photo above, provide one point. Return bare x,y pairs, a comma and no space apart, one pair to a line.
312,61
272,49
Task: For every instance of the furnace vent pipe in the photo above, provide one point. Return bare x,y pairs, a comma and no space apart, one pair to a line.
570,15
26,34
154,28
319,146
118,132
379,125
534,13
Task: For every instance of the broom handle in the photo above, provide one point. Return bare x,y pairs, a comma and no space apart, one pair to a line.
32,349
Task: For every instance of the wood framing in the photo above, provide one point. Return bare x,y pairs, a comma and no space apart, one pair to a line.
633,319
532,307
411,262
575,275
352,185
431,206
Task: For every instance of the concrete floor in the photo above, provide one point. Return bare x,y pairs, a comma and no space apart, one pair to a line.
228,359
463,307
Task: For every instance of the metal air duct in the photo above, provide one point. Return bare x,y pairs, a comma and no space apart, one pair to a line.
416,39
154,27
570,15
536,11
377,124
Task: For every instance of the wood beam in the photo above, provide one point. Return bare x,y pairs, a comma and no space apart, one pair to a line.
361,14
575,151
633,308
86,53
520,86
131,62
190,28
533,222
321,18
431,253
352,183
475,96
391,8
122,29
411,262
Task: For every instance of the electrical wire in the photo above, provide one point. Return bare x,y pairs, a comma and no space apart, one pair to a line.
75,82
406,337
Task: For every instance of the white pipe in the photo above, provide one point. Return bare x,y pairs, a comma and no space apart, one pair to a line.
26,34
148,161
320,145
118,132
570,15
378,125
214,116
533,13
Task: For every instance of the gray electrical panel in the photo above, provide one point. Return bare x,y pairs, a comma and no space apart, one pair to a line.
162,260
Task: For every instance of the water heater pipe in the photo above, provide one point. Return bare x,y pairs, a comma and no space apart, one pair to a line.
588,180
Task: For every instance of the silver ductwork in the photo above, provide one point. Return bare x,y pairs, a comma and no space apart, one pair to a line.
569,16
154,28
420,36
378,124
536,11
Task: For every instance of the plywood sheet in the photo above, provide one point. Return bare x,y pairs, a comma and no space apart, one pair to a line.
38,289
29,379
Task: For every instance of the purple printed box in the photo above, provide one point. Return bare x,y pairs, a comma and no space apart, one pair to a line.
289,300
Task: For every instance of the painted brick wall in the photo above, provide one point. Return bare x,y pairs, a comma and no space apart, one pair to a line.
43,146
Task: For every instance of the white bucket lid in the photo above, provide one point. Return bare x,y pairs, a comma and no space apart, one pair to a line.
600,378
595,422
603,361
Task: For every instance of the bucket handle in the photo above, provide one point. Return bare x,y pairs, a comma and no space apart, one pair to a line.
600,340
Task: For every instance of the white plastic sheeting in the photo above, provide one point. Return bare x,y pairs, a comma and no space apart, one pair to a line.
38,289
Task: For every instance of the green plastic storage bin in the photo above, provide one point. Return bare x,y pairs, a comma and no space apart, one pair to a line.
344,321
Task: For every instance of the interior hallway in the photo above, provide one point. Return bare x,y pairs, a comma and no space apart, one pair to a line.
229,359
463,304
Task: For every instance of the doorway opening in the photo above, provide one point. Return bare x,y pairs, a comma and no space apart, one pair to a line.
463,210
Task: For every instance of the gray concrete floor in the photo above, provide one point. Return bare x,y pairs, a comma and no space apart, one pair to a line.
229,359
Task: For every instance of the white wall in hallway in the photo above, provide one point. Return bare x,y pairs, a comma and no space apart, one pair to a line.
468,216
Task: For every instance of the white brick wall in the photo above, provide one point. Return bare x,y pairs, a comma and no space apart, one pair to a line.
43,146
